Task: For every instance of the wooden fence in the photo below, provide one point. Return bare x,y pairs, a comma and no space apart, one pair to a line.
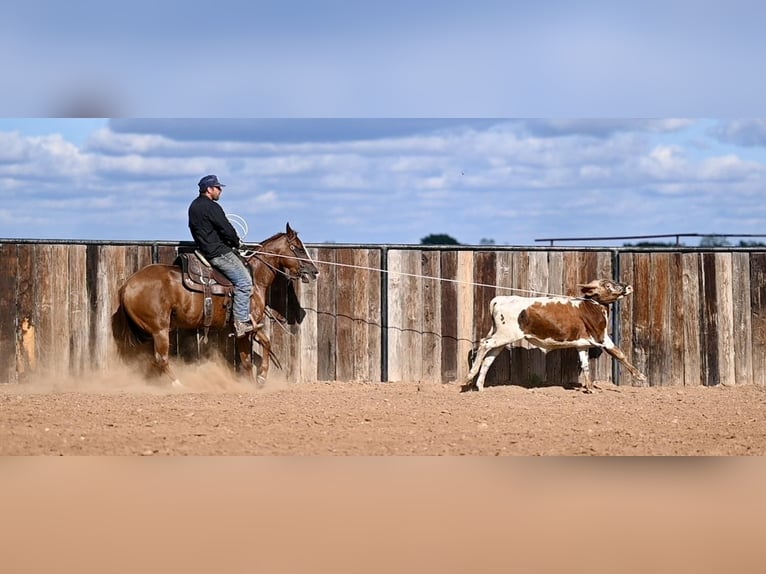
410,313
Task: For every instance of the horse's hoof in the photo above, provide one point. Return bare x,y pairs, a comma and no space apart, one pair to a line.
176,384
260,382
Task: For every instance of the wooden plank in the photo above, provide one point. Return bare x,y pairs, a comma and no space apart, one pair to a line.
485,279
589,268
117,274
28,312
623,335
725,302
431,317
166,254
658,344
571,274
277,331
465,318
412,317
326,315
743,330
79,312
642,322
291,341
396,288
690,304
758,315
601,368
307,333
45,300
676,318
374,326
537,282
604,264
709,323
504,282
9,325
360,332
519,352
109,274
60,310
553,360
449,313
344,305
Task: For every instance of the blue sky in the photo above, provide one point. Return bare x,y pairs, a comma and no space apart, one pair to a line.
380,180
345,58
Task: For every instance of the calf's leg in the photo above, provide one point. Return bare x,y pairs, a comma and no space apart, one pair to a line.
486,364
489,349
620,356
585,369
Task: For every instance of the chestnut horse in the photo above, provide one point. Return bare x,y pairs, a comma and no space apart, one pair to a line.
154,301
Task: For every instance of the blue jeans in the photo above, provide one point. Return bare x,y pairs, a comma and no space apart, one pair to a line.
238,273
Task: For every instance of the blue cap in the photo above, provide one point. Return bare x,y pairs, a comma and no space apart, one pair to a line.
210,181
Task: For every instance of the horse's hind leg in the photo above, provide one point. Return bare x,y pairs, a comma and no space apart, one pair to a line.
162,357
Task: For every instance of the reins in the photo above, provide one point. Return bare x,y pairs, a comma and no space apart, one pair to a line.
274,268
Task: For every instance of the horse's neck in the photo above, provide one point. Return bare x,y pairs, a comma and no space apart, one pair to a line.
265,269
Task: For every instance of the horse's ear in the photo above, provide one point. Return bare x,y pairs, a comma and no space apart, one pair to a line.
288,229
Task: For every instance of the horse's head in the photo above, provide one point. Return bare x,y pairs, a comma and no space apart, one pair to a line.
290,255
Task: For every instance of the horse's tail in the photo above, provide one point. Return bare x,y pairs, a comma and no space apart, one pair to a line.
126,333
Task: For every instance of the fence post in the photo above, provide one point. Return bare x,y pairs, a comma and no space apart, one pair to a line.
616,315
384,314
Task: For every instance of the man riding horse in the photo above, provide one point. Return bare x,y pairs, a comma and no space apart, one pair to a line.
217,239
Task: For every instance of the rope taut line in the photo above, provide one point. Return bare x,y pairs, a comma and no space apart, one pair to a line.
417,276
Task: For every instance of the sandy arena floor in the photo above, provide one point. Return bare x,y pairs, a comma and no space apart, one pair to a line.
216,415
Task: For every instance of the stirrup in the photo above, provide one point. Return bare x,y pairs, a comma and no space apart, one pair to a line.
242,328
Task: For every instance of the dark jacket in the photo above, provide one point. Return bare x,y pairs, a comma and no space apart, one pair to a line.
212,232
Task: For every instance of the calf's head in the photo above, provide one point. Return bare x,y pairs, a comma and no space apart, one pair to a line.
605,291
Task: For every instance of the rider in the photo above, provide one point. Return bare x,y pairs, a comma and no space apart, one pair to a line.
216,238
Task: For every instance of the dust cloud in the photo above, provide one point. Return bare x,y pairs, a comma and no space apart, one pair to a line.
213,376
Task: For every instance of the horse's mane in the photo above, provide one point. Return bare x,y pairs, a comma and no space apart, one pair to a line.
275,236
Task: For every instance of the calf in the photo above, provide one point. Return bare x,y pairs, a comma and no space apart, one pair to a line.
553,323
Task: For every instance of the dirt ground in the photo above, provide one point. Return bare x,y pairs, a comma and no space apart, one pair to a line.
119,414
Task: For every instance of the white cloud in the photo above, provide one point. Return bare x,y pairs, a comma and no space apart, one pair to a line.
503,181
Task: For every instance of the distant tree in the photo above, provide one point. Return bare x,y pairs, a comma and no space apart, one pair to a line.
439,239
485,241
714,241
752,244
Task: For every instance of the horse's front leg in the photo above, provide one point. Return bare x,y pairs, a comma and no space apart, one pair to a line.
263,368
244,348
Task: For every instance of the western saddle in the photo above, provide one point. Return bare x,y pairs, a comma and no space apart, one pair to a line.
201,277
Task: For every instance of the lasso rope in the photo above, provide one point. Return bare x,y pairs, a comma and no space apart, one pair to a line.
240,221
417,276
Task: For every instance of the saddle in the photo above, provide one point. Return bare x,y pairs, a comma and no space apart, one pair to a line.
199,276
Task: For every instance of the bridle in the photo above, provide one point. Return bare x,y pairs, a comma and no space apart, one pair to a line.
294,248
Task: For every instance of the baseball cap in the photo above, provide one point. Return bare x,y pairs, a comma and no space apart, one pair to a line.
210,181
